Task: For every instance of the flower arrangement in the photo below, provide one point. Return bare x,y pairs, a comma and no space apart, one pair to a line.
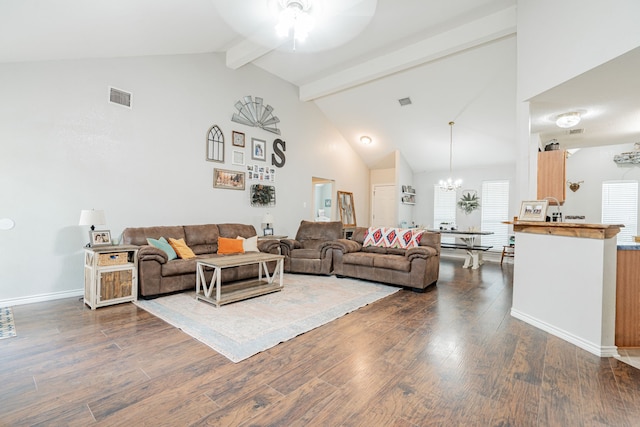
469,202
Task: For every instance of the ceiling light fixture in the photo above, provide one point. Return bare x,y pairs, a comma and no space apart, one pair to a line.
295,17
450,184
366,140
568,120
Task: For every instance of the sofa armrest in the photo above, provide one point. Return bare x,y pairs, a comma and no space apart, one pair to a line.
151,253
422,252
269,246
346,245
430,239
288,245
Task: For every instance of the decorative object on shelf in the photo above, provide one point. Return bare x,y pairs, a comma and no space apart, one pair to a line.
267,220
409,198
237,158
450,184
533,210
258,149
215,145
238,138
255,114
568,120
232,180
263,195
285,24
469,201
347,209
574,186
552,145
100,238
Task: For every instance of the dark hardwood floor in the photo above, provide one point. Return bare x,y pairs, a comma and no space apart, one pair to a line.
451,356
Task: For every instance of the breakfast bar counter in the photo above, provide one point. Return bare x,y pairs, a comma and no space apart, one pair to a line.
564,281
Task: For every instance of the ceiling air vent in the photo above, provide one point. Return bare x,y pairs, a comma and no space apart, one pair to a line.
404,101
576,131
120,97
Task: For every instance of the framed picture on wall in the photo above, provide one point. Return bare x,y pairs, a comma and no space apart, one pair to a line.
238,139
258,149
232,180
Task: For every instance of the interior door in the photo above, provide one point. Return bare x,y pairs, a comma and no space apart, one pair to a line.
383,210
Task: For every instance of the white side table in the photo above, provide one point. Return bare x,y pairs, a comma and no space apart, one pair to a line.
110,275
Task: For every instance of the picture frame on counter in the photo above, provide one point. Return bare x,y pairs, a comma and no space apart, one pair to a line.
533,210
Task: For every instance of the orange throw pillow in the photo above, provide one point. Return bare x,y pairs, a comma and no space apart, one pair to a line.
181,248
229,246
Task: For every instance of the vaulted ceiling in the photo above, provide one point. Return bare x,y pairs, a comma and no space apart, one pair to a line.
455,60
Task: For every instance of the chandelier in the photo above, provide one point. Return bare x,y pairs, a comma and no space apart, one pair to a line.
450,184
295,17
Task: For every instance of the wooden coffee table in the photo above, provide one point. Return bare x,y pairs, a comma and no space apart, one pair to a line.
237,291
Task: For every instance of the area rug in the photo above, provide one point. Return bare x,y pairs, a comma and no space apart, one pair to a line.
7,326
244,328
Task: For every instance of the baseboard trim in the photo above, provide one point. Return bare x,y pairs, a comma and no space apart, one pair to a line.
41,298
598,350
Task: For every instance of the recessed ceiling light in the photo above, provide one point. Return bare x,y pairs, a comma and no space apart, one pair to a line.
366,140
568,120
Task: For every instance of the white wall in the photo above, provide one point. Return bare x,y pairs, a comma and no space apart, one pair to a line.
471,180
404,176
64,148
594,165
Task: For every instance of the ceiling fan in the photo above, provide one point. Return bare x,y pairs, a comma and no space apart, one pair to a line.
300,25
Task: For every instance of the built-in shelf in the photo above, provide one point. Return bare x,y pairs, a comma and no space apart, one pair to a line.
408,195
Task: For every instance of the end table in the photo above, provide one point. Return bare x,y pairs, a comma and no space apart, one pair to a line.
110,275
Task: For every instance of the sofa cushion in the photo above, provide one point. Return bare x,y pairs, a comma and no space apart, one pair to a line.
181,248
306,254
179,267
249,244
322,231
229,246
163,245
392,262
138,235
359,258
234,230
202,239
391,237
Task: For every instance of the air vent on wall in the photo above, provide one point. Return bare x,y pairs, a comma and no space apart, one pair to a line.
576,131
404,101
120,97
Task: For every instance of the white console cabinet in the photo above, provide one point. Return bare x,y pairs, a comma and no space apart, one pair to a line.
110,275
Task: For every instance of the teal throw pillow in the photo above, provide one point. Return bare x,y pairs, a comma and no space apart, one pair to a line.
164,245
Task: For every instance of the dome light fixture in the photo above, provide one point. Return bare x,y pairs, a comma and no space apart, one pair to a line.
450,184
568,120
366,140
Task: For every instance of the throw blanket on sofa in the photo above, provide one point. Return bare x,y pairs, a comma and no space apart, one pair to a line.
391,237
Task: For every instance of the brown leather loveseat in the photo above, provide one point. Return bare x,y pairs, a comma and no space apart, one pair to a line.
414,267
157,275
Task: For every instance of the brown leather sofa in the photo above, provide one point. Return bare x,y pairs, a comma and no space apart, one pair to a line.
415,268
311,251
157,275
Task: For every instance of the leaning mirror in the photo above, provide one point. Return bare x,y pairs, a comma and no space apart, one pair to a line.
347,209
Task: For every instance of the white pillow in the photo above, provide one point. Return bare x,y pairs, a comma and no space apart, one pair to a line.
250,244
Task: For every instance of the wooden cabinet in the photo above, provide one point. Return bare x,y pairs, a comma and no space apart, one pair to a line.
628,298
110,275
552,176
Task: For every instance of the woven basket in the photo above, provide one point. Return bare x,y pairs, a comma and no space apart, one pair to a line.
116,258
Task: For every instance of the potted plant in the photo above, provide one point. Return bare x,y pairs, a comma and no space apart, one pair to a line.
469,202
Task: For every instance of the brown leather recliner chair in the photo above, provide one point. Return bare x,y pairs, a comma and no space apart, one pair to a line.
311,251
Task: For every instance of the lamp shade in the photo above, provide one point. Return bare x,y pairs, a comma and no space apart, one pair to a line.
91,217
267,218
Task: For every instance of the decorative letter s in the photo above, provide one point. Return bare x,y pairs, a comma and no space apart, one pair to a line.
278,157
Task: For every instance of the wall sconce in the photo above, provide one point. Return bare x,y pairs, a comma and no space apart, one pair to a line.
574,186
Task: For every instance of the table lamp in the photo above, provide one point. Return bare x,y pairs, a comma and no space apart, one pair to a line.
91,217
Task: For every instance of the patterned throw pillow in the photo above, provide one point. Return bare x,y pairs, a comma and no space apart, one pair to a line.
391,237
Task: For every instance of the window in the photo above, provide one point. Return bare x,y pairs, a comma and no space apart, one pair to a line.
444,209
620,206
495,209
